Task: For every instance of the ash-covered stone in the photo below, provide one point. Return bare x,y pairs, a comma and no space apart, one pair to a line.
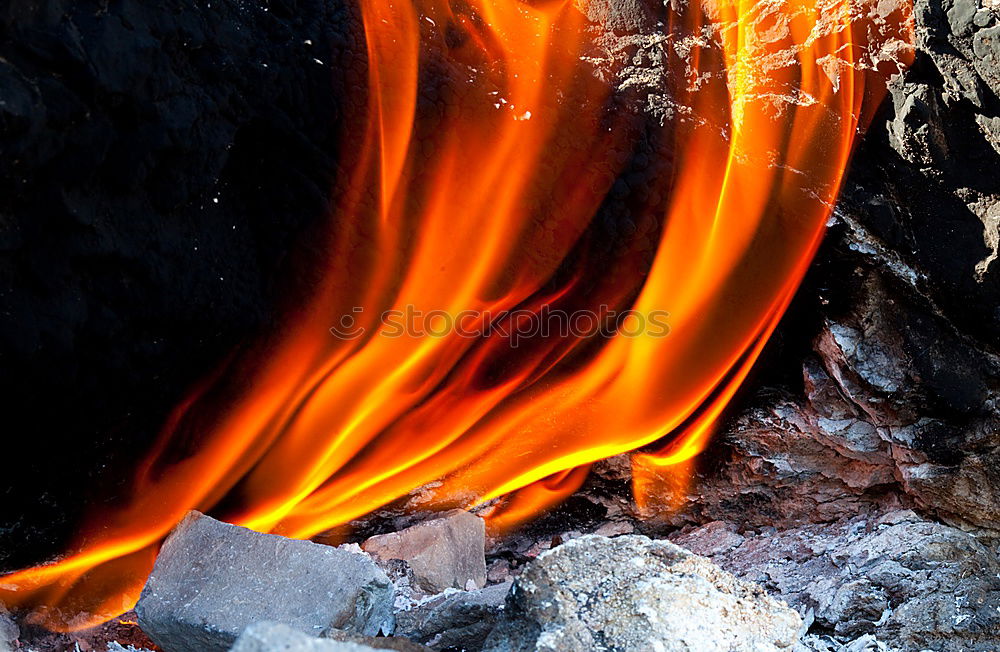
904,298
276,637
454,619
9,631
212,580
899,579
634,593
398,643
115,646
445,552
895,411
866,643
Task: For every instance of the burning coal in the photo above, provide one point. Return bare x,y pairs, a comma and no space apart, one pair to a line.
497,176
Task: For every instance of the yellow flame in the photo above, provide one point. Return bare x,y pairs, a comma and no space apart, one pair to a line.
476,196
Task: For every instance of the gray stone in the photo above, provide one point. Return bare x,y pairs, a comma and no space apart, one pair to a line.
986,47
9,631
446,552
634,593
866,643
900,405
916,132
212,580
899,579
454,619
900,408
860,437
276,637
398,643
960,17
623,16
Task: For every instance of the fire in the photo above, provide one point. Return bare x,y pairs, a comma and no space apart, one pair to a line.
486,145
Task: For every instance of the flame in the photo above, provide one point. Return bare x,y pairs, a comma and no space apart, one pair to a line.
486,145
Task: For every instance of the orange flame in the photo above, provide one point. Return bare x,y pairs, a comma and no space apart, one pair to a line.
487,145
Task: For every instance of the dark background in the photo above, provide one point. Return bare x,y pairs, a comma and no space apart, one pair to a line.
123,281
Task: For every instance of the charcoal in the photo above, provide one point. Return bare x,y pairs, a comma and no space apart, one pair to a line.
397,643
458,620
212,580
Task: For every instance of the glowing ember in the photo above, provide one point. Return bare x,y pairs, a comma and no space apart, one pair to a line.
487,339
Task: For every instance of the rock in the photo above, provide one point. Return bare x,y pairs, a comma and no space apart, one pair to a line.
893,410
275,637
897,578
398,643
909,273
454,620
212,580
881,389
710,539
9,631
115,646
866,643
626,16
446,552
498,572
634,593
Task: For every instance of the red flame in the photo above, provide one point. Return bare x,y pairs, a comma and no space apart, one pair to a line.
487,144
